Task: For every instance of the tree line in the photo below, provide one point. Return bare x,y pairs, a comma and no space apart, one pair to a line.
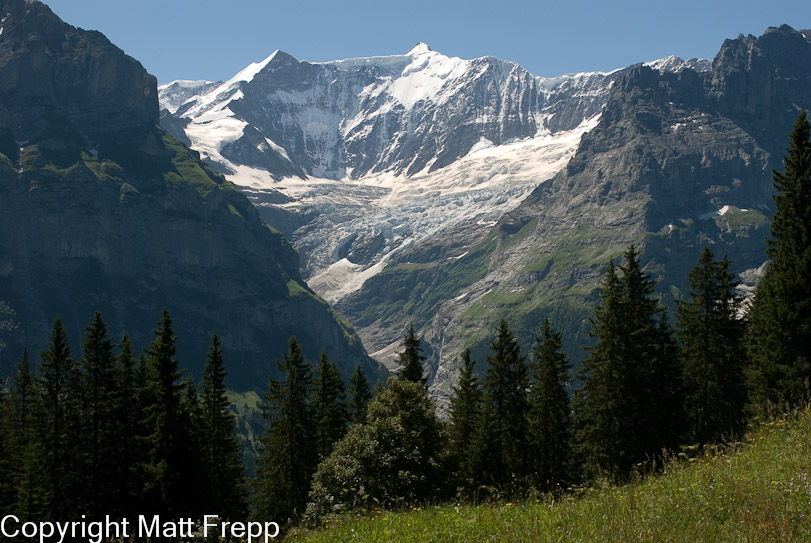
112,433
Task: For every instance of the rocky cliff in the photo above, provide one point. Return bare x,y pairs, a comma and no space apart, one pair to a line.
678,161
102,210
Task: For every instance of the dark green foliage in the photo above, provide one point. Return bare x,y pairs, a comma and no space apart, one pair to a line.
486,460
329,405
465,407
15,428
779,338
288,455
126,410
359,396
507,384
710,333
549,420
98,435
410,360
224,485
629,406
393,459
6,471
167,480
53,446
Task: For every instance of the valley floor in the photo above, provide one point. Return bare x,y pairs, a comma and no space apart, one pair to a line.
754,491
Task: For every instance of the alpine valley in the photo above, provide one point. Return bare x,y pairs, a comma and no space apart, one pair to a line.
452,193
414,188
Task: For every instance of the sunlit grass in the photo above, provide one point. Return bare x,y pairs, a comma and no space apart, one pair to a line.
758,490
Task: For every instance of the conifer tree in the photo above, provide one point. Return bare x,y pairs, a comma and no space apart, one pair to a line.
7,497
655,373
54,412
779,337
329,404
225,476
97,429
166,427
602,405
464,414
710,332
359,396
410,360
16,424
287,458
549,420
507,384
127,414
486,462
629,406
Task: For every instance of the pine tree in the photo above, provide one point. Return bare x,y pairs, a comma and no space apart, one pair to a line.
601,404
7,490
779,337
288,458
410,360
507,384
329,405
97,431
486,461
166,477
464,414
549,420
54,411
359,396
629,406
655,374
225,476
126,410
15,426
710,332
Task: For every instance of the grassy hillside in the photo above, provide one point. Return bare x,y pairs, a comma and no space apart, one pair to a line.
757,490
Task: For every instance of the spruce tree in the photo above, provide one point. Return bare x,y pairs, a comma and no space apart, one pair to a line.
710,331
288,456
464,414
359,396
126,411
7,490
779,337
222,466
507,384
601,404
410,360
16,424
329,405
629,406
98,428
549,420
655,373
486,462
166,427
54,411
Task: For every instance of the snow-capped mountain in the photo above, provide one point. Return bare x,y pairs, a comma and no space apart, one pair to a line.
359,159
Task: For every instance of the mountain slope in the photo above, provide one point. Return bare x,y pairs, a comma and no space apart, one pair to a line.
756,490
678,161
102,210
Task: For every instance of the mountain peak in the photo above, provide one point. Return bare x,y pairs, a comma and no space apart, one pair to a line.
420,49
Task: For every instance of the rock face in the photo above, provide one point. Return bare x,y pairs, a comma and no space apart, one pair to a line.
394,150
102,210
351,118
678,161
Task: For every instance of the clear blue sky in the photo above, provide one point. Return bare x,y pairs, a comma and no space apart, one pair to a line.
214,39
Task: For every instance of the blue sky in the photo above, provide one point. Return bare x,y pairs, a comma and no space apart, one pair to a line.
207,39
